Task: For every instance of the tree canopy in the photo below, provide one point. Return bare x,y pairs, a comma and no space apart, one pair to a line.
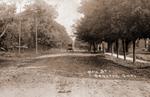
40,14
112,20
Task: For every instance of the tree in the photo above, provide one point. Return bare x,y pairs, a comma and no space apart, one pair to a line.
37,17
7,14
113,20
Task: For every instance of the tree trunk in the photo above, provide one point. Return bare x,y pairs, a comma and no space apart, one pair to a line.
90,48
3,33
94,47
117,47
103,46
124,50
134,56
109,46
112,49
145,43
127,46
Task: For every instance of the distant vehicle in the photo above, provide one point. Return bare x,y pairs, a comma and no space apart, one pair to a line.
69,48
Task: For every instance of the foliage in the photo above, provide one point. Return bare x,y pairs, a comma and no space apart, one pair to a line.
111,20
38,14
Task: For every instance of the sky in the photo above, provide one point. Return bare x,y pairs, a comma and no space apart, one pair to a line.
67,10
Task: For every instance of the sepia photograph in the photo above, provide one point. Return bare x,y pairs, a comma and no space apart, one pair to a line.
74,48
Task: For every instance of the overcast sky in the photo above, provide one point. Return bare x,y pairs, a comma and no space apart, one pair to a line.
68,12
67,9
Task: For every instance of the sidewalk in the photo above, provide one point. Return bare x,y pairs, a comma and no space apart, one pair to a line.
128,58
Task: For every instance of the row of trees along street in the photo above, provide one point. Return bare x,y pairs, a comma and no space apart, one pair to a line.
34,27
114,20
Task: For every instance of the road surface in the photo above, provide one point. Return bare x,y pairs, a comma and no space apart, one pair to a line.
72,75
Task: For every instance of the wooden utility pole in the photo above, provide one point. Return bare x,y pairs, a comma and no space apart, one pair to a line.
20,31
36,36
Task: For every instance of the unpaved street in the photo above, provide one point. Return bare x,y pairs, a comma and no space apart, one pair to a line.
72,76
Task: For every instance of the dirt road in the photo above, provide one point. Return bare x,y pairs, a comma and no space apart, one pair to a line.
72,76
